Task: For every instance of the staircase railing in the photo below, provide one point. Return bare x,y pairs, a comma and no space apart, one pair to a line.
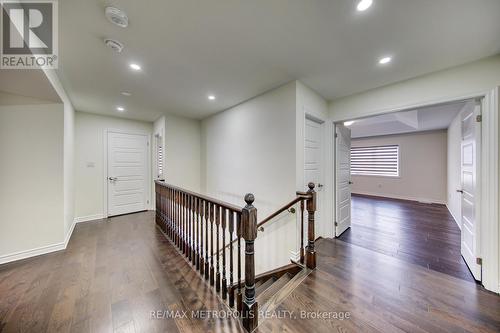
307,202
198,225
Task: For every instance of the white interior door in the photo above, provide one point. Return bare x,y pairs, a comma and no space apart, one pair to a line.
342,179
127,174
471,139
313,166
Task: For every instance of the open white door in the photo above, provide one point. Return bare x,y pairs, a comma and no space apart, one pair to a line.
471,139
127,173
342,179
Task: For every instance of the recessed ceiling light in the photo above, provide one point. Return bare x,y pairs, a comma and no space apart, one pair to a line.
348,123
211,97
385,60
135,67
120,108
364,5
114,45
126,93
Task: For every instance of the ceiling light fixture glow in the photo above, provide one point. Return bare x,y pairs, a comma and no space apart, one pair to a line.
126,93
135,67
211,97
120,108
348,123
385,60
364,5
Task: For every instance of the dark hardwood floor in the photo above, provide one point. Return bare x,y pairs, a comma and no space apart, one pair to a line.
114,273
422,234
109,279
382,293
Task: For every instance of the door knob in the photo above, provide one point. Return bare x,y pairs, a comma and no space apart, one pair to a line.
113,178
320,185
460,191
350,183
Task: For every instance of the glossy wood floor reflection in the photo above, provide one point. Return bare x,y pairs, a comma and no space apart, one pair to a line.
422,234
114,273
109,279
382,293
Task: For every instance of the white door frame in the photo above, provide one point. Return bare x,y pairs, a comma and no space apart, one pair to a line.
490,180
105,166
320,218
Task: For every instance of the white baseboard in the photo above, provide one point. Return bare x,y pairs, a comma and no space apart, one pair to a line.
69,234
89,218
39,250
32,253
402,197
454,218
295,255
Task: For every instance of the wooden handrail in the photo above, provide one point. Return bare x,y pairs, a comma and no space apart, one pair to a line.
189,220
217,202
301,196
279,211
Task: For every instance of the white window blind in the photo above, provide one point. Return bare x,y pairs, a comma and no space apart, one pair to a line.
159,157
375,161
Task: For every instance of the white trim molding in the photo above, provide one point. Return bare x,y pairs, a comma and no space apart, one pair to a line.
88,218
39,250
454,218
32,253
295,255
401,197
490,183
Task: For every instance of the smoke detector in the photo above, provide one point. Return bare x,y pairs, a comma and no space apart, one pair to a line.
114,45
116,16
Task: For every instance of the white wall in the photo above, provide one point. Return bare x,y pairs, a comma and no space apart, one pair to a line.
252,148
69,153
423,168
183,152
89,165
31,194
311,104
471,79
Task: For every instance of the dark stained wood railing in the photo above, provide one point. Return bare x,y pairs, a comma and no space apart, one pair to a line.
198,225
308,200
191,221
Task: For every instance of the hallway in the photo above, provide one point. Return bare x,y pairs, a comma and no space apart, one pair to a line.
115,272
109,279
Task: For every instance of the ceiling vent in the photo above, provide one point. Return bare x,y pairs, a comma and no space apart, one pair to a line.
116,16
114,45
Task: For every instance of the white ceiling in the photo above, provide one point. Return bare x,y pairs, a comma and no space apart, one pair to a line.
424,119
238,49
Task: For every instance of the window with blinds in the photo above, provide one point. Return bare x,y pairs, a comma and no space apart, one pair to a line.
159,158
375,161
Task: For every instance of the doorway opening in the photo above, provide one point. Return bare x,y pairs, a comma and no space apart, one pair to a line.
408,185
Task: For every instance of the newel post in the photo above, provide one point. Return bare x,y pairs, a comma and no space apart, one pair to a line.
249,233
311,209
